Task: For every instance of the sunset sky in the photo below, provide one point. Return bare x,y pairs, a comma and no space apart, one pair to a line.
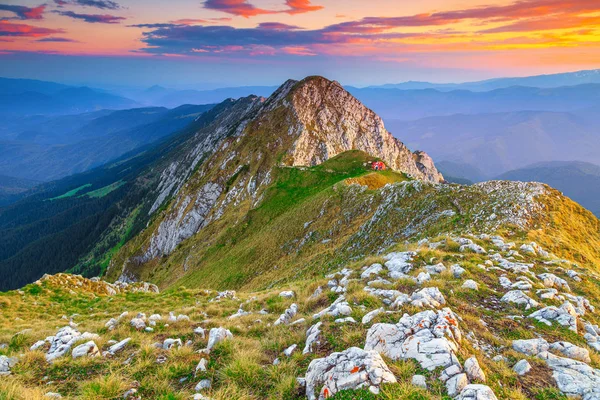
252,42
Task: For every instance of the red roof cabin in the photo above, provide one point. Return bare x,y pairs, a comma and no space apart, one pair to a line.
378,165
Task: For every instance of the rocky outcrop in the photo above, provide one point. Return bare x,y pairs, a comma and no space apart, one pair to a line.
348,370
191,216
78,283
332,121
431,338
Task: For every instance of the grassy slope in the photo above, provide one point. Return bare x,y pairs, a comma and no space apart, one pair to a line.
242,368
239,247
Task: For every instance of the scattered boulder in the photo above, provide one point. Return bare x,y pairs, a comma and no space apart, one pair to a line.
203,385
428,297
287,294
429,337
473,370
457,271
475,248
340,307
530,347
368,317
419,381
470,284
115,348
573,378
476,392
290,350
553,281
569,350
456,384
374,269
287,316
522,367
169,343
519,298
312,338
351,369
88,349
217,335
6,363
398,264
563,315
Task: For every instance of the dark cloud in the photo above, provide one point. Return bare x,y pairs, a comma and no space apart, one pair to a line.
93,18
8,28
101,4
23,12
58,40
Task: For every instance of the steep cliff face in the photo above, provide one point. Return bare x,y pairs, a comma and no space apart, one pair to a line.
333,121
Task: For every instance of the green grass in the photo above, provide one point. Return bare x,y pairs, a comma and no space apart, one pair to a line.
71,193
103,191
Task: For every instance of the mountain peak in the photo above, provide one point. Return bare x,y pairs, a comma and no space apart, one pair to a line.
329,121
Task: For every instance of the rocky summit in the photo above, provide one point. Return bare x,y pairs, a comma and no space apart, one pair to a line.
266,258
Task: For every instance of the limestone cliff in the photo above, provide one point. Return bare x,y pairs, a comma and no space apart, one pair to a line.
333,121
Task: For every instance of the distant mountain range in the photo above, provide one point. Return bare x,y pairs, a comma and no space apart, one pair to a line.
44,155
498,142
540,81
30,97
416,104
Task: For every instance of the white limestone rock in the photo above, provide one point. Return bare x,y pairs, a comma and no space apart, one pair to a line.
475,248
428,297
88,349
573,378
435,269
530,347
374,269
553,281
473,370
562,315
429,337
170,343
569,350
217,335
290,350
399,264
351,369
419,381
519,298
313,335
470,284
62,342
423,277
476,392
287,316
115,348
340,307
457,271
522,367
6,363
456,384
368,317
203,385
287,294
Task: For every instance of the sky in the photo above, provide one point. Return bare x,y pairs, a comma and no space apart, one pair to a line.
212,43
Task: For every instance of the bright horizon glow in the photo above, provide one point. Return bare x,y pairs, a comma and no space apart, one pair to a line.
263,42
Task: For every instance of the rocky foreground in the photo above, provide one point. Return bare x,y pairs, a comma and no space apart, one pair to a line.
475,317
